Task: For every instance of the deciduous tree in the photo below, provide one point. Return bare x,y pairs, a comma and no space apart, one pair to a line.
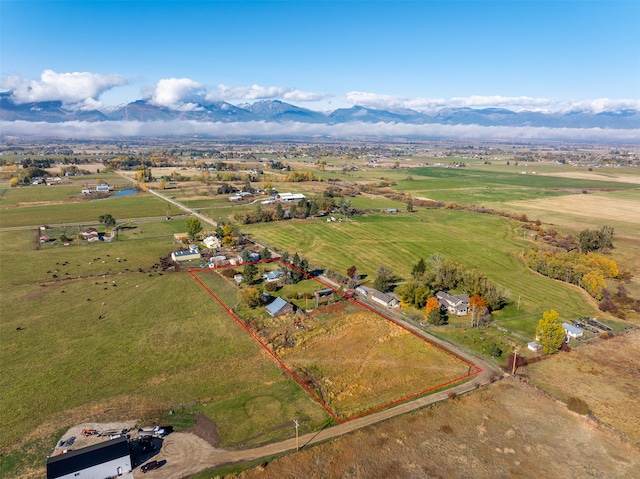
384,276
550,333
193,227
107,220
479,308
249,296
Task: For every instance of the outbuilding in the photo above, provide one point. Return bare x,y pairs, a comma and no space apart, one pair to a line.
107,459
186,255
280,307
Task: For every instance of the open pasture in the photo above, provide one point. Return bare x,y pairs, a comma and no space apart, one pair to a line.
351,358
122,208
104,336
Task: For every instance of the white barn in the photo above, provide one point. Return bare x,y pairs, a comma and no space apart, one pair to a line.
107,459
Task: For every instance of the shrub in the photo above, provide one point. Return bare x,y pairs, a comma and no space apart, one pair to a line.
578,405
270,287
451,395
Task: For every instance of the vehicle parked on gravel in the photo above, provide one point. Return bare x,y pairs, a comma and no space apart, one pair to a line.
149,466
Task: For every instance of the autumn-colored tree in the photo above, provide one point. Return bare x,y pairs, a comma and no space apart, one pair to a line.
432,303
13,182
594,284
352,272
550,333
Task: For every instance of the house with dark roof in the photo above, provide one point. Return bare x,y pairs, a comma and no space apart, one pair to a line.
107,459
455,304
280,307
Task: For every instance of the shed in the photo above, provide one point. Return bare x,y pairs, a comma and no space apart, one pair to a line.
107,459
535,347
186,255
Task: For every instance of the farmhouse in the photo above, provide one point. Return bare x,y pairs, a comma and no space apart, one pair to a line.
186,255
387,300
572,331
102,188
280,307
212,242
107,459
458,304
90,234
273,276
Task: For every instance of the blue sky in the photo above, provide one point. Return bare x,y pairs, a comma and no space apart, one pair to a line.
324,55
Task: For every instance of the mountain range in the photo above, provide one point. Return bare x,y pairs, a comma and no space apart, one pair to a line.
278,111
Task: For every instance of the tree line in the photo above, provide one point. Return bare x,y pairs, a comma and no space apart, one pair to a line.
441,274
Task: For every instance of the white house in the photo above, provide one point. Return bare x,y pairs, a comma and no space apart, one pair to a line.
273,276
212,242
107,459
458,304
386,300
572,331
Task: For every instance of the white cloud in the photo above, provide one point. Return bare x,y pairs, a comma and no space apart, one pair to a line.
518,103
115,129
257,92
69,88
177,93
603,104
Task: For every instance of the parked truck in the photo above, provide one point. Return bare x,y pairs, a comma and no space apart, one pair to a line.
155,431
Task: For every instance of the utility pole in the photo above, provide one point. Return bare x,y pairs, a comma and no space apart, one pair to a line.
295,421
515,361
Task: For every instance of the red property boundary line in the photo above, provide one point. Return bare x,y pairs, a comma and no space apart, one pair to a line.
476,369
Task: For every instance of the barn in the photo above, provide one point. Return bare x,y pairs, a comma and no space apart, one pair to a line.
107,459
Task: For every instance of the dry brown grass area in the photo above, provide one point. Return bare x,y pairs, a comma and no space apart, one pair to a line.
356,361
604,374
582,175
601,207
508,430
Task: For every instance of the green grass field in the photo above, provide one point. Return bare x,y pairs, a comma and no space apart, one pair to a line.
123,208
487,243
157,338
105,340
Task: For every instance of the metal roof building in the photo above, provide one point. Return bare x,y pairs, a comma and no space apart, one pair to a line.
107,459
